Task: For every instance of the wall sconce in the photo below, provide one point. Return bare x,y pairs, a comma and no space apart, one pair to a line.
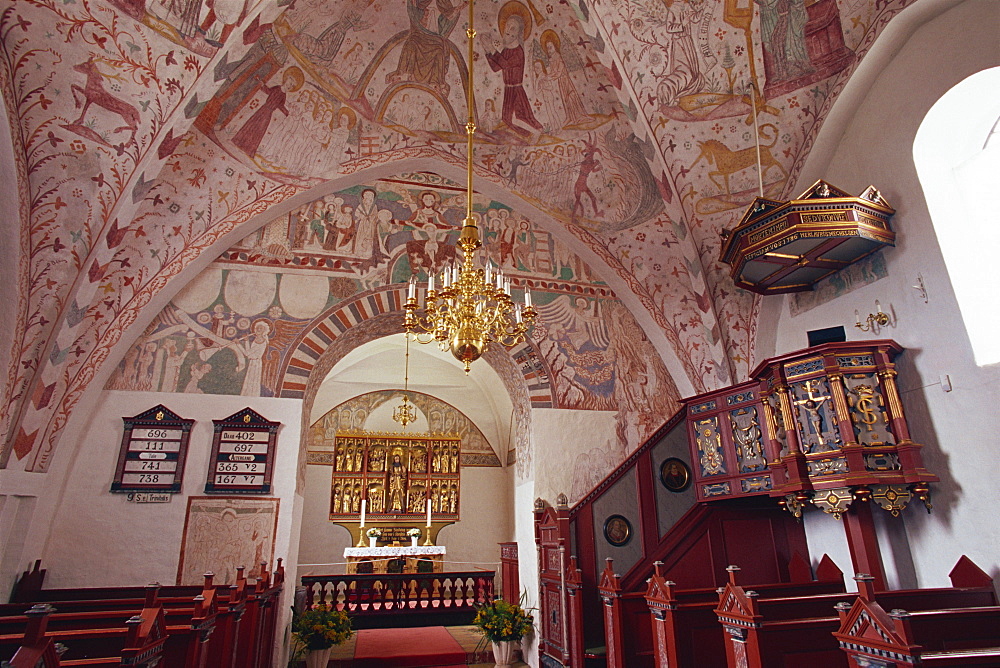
874,322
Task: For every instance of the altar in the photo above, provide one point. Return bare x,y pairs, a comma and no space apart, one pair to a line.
395,559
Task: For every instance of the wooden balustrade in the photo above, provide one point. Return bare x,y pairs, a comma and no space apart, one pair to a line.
401,593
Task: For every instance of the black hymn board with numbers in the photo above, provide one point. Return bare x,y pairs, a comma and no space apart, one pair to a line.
154,447
242,457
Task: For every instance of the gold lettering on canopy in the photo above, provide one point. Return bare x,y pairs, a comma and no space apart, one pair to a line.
396,474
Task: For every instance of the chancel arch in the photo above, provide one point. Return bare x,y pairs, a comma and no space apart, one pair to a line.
381,333
352,396
385,304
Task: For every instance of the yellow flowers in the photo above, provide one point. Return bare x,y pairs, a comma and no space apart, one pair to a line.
322,626
501,620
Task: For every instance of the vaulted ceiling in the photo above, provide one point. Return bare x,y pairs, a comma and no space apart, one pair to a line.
150,136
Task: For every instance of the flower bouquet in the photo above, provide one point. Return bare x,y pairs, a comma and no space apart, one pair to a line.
321,627
503,624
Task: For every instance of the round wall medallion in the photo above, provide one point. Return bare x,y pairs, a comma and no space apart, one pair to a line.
675,475
617,530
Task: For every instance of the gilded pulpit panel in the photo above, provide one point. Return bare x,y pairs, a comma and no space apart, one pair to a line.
823,425
730,447
749,439
867,406
709,440
815,418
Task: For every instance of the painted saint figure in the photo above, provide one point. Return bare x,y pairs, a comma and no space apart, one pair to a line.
368,220
508,57
254,347
682,70
250,135
426,52
783,32
572,104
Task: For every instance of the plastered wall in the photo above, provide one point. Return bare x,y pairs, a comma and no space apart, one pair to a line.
957,427
101,539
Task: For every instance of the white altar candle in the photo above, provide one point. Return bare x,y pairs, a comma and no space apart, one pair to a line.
364,503
428,512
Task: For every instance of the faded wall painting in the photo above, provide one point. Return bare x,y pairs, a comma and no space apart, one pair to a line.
441,418
222,534
231,329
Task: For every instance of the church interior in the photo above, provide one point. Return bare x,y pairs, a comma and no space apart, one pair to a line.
738,246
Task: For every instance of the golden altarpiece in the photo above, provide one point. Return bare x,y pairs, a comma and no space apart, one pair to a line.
395,484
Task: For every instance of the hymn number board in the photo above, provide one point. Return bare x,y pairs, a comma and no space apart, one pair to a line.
242,460
154,447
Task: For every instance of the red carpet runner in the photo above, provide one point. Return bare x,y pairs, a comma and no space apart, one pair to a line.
406,648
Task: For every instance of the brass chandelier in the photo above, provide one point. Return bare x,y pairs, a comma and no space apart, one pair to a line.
404,413
473,306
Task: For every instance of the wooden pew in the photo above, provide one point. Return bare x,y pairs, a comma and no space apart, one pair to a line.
89,641
686,630
781,631
798,631
212,625
190,621
664,626
956,636
36,649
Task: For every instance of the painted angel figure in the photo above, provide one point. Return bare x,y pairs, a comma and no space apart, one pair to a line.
575,344
559,70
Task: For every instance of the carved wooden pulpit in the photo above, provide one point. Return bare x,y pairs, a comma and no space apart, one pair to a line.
822,426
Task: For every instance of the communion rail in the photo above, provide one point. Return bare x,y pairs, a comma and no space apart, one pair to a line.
401,593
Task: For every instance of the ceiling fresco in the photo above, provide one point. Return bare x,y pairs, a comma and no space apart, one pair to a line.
236,327
146,131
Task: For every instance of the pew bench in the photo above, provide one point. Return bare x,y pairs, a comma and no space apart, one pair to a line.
97,641
797,631
686,629
968,636
223,626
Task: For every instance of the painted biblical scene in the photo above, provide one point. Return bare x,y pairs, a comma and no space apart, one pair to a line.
231,330
221,535
394,228
441,418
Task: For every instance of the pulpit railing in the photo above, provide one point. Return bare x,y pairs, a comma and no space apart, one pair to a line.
374,594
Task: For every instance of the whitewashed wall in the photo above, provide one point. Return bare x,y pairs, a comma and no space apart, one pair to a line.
101,539
874,146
